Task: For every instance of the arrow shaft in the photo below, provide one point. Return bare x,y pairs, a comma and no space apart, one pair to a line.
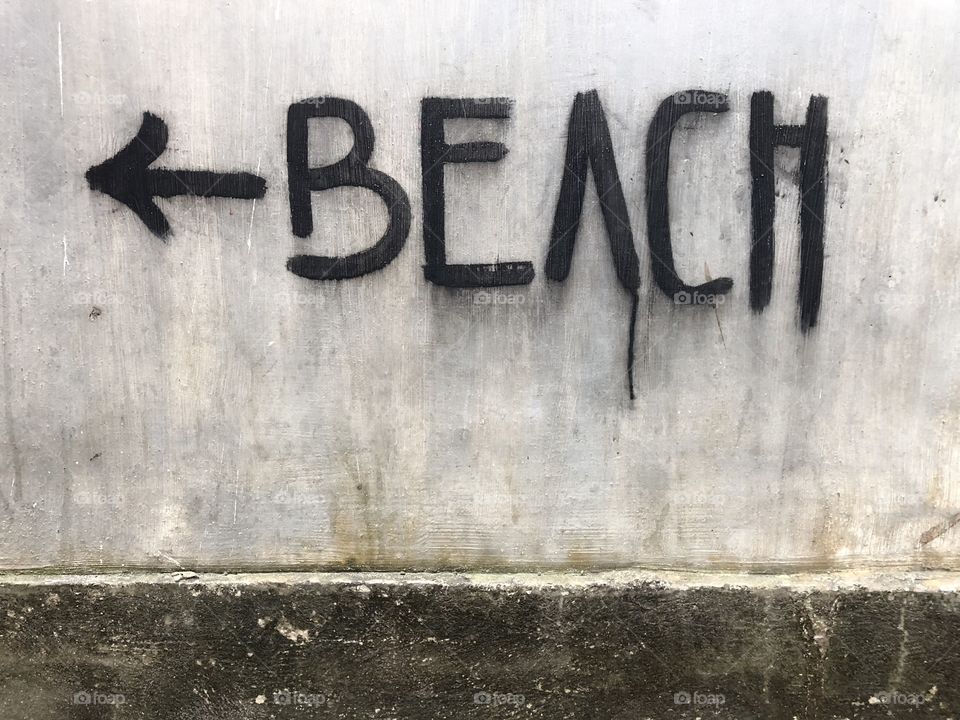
202,183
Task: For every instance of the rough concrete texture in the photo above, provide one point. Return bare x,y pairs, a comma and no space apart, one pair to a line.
190,404
192,401
428,646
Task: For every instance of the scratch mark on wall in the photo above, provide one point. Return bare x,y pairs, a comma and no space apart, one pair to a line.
16,482
236,496
897,677
60,63
253,211
939,529
168,558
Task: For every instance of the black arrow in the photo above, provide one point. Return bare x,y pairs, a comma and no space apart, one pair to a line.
125,177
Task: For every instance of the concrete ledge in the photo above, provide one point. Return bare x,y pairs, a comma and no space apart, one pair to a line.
390,645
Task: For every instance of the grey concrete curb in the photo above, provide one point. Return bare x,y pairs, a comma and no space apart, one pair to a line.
612,645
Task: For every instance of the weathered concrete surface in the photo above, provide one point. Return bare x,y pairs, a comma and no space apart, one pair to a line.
195,402
607,647
191,404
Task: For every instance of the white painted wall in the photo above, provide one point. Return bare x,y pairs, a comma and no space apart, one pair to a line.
222,412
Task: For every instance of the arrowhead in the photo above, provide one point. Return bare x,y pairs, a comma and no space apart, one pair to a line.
124,177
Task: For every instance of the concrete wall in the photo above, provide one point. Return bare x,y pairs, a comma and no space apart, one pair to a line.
192,402
604,646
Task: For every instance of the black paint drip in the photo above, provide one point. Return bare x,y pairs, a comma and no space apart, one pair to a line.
589,147
635,301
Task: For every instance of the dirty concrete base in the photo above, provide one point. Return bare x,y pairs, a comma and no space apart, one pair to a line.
610,646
